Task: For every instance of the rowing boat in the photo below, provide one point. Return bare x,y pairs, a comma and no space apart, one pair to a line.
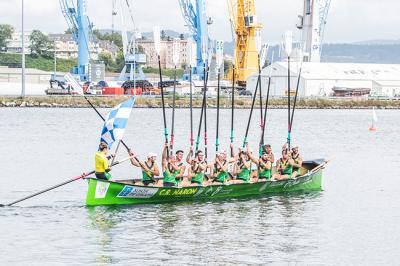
102,192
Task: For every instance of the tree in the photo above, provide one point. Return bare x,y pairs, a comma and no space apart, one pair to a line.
113,37
68,31
106,58
5,34
41,45
140,49
163,35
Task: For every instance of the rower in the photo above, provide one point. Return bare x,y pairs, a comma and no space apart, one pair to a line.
284,167
149,169
268,150
242,168
101,162
198,167
182,167
170,168
264,165
298,161
219,172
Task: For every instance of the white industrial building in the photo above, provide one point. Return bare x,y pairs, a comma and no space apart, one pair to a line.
319,79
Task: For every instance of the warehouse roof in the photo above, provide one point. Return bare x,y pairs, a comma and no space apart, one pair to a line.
342,71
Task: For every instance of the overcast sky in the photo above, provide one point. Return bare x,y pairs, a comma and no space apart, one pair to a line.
348,21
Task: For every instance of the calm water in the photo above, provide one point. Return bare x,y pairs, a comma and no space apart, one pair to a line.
355,220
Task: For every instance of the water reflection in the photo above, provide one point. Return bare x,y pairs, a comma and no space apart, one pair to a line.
103,219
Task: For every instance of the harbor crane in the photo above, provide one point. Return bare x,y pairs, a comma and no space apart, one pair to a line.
195,16
133,59
246,34
312,24
75,13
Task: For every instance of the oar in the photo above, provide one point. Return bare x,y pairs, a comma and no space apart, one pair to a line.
251,114
173,113
261,103
232,137
191,107
295,99
288,50
267,104
163,103
218,102
61,184
157,47
265,113
205,112
289,126
201,120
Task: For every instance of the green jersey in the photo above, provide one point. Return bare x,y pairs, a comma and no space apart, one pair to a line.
244,173
147,175
221,176
286,167
170,176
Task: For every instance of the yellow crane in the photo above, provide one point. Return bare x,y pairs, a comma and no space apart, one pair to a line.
245,31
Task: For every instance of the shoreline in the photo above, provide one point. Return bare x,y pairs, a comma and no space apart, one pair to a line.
183,103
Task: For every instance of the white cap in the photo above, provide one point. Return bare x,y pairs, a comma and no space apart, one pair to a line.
294,146
221,152
151,154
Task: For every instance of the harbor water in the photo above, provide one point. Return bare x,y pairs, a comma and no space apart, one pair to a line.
354,220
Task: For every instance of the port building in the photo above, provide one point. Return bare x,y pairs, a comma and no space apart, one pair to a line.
328,79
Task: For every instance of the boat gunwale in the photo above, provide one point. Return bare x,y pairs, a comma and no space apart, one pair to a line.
319,167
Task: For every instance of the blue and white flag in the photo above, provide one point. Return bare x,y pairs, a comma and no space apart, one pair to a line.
115,122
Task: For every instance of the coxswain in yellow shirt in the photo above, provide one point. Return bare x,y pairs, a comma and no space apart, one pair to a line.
101,161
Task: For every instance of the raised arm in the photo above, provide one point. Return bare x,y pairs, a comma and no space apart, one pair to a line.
300,164
267,165
134,161
232,150
181,171
189,156
156,172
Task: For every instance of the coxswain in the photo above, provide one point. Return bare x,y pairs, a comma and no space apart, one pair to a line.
102,166
170,168
298,161
149,168
264,165
197,169
284,167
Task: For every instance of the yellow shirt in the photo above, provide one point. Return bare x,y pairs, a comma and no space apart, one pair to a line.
101,162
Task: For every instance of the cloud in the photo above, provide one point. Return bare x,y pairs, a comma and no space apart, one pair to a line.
348,21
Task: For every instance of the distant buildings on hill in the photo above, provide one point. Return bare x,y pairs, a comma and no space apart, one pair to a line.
66,48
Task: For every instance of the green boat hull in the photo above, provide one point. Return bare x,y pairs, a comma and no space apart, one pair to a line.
102,192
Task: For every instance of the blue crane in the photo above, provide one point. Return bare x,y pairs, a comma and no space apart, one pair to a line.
197,21
78,22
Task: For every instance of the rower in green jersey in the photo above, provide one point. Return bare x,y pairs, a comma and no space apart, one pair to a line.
149,169
298,161
242,168
198,167
219,173
102,167
264,164
284,167
180,177
170,168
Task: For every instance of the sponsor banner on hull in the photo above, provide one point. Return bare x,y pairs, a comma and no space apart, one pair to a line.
137,192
